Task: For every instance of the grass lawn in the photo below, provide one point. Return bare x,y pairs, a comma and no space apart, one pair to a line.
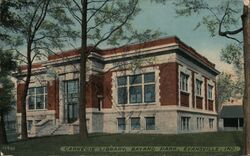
52,145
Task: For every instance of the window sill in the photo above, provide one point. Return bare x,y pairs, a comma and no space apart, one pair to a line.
198,96
135,129
184,92
135,104
36,110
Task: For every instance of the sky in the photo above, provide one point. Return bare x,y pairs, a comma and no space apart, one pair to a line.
163,18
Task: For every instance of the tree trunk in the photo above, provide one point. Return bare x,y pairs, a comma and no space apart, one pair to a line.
24,134
3,137
83,86
246,100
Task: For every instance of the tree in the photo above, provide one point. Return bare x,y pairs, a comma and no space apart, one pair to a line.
6,91
225,87
36,23
221,18
102,21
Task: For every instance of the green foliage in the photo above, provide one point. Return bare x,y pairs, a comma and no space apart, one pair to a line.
228,87
6,94
226,12
225,86
6,62
6,90
232,54
44,24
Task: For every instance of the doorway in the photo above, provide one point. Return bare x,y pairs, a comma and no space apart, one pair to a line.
71,90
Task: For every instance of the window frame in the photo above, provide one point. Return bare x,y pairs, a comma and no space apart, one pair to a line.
138,87
35,95
138,127
185,123
184,78
118,127
210,92
198,87
146,123
211,123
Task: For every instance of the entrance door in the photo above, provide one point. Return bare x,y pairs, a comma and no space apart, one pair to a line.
71,101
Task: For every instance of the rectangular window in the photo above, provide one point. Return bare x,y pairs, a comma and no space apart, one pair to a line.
184,82
135,123
135,79
211,123
198,87
29,124
149,93
200,123
150,123
121,124
149,87
210,92
122,90
185,123
71,92
203,123
135,94
37,98
136,88
122,95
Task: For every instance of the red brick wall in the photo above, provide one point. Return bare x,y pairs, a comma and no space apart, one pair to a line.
94,88
210,105
53,96
107,90
199,102
184,99
20,89
169,83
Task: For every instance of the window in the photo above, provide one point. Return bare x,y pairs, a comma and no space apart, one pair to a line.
200,123
198,87
122,90
71,88
210,92
185,123
135,123
136,89
29,124
121,124
150,123
37,98
149,87
184,82
211,123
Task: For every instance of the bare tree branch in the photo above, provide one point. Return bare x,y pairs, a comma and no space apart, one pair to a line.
97,10
77,18
226,33
78,6
40,19
108,34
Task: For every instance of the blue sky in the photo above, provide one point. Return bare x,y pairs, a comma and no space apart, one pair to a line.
163,18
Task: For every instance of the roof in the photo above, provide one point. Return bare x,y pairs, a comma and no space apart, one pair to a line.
158,42
231,111
136,46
